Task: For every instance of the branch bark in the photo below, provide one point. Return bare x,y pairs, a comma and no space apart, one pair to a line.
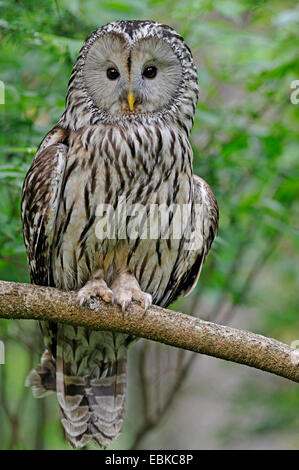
25,301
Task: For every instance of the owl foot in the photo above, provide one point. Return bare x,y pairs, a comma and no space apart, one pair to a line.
126,289
95,288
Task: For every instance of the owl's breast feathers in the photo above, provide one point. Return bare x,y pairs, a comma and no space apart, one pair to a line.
77,175
110,204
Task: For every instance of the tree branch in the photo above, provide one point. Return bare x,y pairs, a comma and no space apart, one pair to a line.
24,301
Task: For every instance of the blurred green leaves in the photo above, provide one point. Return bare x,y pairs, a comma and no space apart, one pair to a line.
245,142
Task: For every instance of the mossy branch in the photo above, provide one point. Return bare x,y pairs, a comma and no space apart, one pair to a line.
25,301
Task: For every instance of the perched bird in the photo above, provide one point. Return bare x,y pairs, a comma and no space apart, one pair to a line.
121,142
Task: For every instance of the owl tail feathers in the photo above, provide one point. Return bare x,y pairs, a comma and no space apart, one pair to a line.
42,379
92,408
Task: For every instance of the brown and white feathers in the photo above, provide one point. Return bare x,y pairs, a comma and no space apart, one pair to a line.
122,139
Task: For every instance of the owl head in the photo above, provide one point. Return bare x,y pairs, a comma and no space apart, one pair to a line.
134,68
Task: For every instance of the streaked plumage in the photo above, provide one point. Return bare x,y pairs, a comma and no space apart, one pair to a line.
102,153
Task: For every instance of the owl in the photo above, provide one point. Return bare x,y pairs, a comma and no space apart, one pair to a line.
111,209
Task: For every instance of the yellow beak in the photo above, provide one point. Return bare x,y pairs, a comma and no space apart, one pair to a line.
131,100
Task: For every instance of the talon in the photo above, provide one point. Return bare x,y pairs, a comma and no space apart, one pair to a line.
147,301
107,298
93,289
126,288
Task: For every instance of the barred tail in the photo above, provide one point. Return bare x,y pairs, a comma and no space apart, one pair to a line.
42,379
90,383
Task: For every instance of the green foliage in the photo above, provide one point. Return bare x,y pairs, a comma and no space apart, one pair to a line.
245,142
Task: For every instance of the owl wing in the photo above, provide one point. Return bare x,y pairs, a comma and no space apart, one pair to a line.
40,202
92,407
205,198
207,215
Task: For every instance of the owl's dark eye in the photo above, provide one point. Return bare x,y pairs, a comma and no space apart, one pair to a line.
150,71
112,73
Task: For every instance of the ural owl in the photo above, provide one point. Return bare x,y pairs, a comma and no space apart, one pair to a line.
122,137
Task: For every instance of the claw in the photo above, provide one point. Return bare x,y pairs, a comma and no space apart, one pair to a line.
147,301
125,295
95,288
108,298
82,299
